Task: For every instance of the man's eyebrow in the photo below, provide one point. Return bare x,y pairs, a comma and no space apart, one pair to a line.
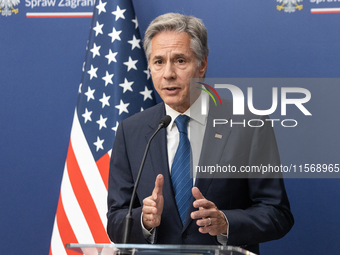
157,57
177,55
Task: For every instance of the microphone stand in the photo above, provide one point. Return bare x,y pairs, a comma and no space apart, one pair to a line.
164,122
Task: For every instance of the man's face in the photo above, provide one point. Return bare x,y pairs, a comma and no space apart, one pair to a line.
172,64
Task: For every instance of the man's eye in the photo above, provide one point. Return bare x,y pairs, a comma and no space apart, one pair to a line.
181,61
158,62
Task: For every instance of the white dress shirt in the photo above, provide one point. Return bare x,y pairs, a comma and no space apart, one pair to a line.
196,129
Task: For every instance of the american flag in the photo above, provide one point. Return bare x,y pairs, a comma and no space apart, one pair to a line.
115,85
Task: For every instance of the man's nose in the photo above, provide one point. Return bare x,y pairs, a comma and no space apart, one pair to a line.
169,71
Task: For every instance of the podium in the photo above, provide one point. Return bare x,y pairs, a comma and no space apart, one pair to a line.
151,249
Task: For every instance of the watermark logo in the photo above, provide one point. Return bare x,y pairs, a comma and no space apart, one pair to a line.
239,101
6,7
289,5
275,99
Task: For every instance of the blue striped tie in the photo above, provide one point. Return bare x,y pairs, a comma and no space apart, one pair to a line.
180,171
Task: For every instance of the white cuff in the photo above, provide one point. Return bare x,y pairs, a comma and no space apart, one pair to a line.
149,235
223,238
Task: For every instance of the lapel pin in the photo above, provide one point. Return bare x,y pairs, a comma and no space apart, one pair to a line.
218,136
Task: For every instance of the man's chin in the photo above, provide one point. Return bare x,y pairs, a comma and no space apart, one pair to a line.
179,107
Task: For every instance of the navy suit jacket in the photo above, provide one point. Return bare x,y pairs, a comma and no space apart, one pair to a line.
257,208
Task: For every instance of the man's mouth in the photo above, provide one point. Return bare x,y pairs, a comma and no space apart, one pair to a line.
171,90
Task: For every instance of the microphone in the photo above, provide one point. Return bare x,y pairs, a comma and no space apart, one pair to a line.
163,123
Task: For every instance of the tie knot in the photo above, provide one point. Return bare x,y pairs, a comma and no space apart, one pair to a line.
182,123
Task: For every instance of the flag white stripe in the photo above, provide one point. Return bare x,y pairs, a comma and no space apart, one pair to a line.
89,169
325,10
57,246
73,211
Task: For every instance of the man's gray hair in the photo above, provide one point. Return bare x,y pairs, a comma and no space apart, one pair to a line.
179,23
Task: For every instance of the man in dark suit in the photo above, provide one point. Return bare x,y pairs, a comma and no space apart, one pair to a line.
232,211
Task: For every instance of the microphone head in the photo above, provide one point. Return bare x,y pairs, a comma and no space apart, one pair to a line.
165,121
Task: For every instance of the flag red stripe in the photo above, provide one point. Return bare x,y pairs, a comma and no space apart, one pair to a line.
316,12
59,15
64,226
103,165
56,16
324,10
85,199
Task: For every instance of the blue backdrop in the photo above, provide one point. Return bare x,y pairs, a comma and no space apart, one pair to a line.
40,71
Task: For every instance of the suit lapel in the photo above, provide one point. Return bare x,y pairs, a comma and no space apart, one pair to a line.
214,142
159,159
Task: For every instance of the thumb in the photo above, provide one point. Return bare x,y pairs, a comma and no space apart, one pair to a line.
197,193
158,190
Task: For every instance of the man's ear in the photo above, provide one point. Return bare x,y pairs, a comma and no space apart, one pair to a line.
203,67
